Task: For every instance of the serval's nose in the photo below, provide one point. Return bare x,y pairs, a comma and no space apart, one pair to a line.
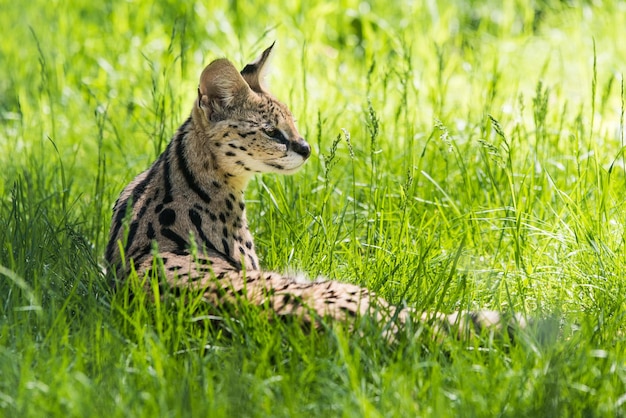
301,147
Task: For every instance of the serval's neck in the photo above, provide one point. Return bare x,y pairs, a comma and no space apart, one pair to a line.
212,196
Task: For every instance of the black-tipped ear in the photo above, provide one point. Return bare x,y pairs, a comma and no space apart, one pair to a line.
254,73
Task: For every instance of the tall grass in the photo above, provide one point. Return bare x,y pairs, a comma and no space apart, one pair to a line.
466,155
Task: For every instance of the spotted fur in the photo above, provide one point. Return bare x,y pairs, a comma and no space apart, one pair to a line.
190,205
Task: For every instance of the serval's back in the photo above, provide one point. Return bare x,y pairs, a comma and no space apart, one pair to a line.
190,206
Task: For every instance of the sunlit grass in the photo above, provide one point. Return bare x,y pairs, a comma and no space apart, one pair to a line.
466,155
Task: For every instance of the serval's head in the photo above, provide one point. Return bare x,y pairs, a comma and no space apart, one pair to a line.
247,129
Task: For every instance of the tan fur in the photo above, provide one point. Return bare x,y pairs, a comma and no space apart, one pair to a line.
192,199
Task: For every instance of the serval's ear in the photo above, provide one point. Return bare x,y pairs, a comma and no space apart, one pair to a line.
254,73
221,88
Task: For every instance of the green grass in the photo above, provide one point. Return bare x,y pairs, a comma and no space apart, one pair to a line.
467,154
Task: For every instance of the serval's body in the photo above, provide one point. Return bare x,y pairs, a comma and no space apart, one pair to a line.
190,203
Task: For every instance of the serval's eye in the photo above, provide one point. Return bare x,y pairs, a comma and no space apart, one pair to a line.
275,134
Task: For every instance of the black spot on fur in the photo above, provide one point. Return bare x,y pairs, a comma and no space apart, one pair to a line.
277,166
205,261
287,298
349,312
253,262
167,181
144,208
195,218
131,234
181,244
167,217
